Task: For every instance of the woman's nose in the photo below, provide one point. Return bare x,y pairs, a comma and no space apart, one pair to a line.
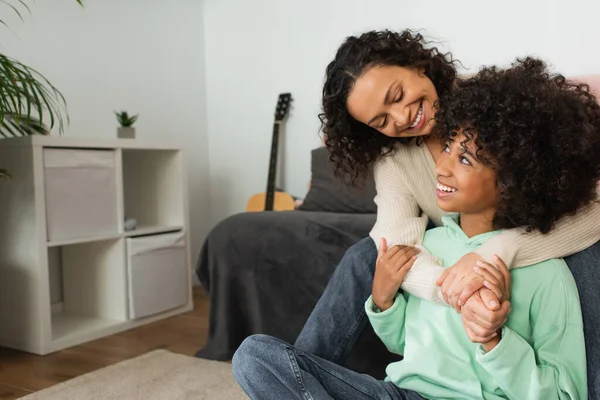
400,116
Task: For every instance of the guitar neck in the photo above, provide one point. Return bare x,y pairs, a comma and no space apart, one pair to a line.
270,195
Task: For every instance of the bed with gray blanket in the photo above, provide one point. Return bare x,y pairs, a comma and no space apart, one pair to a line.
265,271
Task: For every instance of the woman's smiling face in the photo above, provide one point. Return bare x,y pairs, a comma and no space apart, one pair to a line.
397,101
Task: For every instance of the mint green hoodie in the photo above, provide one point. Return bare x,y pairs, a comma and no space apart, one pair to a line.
541,354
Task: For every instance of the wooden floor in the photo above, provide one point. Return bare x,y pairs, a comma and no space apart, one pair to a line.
22,373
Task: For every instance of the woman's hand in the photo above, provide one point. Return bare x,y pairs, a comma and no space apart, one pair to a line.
481,324
496,277
392,266
460,282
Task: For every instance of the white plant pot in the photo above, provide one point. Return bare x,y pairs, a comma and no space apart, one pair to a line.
126,132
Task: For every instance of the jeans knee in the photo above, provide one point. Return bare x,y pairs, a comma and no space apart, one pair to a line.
250,354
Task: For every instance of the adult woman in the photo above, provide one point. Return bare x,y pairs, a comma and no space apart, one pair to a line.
381,90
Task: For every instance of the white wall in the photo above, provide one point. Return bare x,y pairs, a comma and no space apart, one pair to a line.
257,49
143,56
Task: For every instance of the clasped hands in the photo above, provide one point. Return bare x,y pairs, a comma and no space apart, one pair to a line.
478,290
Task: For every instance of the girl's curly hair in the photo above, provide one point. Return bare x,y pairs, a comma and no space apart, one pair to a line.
540,132
353,145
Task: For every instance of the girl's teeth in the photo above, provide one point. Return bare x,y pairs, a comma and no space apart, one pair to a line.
445,188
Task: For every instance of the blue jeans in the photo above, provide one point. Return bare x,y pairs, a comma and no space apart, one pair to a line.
269,368
339,317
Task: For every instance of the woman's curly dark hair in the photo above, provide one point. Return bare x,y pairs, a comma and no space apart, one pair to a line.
353,145
539,131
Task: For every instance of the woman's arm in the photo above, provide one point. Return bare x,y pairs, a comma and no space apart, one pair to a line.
400,222
399,217
571,234
518,248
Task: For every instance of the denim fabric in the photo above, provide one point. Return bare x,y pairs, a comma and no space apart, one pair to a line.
269,368
338,319
585,267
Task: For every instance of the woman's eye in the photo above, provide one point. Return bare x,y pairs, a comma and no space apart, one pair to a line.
399,97
383,123
447,149
465,161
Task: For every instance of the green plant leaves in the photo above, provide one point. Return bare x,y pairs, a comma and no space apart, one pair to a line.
125,120
27,99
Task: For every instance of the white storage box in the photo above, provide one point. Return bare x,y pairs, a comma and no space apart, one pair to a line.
157,273
81,193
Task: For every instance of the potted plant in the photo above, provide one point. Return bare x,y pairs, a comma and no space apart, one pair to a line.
126,130
27,98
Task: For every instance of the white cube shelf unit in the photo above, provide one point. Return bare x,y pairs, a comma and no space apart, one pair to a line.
69,272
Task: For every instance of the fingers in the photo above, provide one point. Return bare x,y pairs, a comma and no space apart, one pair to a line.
455,292
405,268
392,251
476,312
448,283
478,335
382,248
490,299
505,272
489,272
473,285
442,278
389,253
404,255
493,279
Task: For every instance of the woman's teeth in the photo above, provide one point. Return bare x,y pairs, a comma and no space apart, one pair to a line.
445,188
419,116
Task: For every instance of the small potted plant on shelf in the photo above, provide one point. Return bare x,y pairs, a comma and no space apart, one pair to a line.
126,130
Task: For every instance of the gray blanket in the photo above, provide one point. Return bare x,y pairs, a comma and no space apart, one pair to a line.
265,272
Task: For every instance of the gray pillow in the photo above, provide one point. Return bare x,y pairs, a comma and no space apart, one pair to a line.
330,193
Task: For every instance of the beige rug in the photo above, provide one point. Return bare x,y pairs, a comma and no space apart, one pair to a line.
158,375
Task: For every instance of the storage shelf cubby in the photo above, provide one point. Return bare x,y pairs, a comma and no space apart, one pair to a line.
70,277
94,287
152,188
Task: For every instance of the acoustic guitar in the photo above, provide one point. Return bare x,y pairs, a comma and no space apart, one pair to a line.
272,199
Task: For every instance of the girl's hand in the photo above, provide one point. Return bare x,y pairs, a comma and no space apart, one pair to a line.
481,324
392,266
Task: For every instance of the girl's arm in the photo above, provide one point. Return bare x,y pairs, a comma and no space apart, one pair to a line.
389,324
556,370
551,363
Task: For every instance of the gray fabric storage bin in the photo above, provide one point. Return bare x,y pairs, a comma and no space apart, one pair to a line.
156,264
81,193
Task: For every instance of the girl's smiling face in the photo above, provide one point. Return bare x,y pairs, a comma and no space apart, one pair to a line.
465,184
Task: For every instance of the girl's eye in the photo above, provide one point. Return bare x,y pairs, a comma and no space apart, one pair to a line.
447,149
464,161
